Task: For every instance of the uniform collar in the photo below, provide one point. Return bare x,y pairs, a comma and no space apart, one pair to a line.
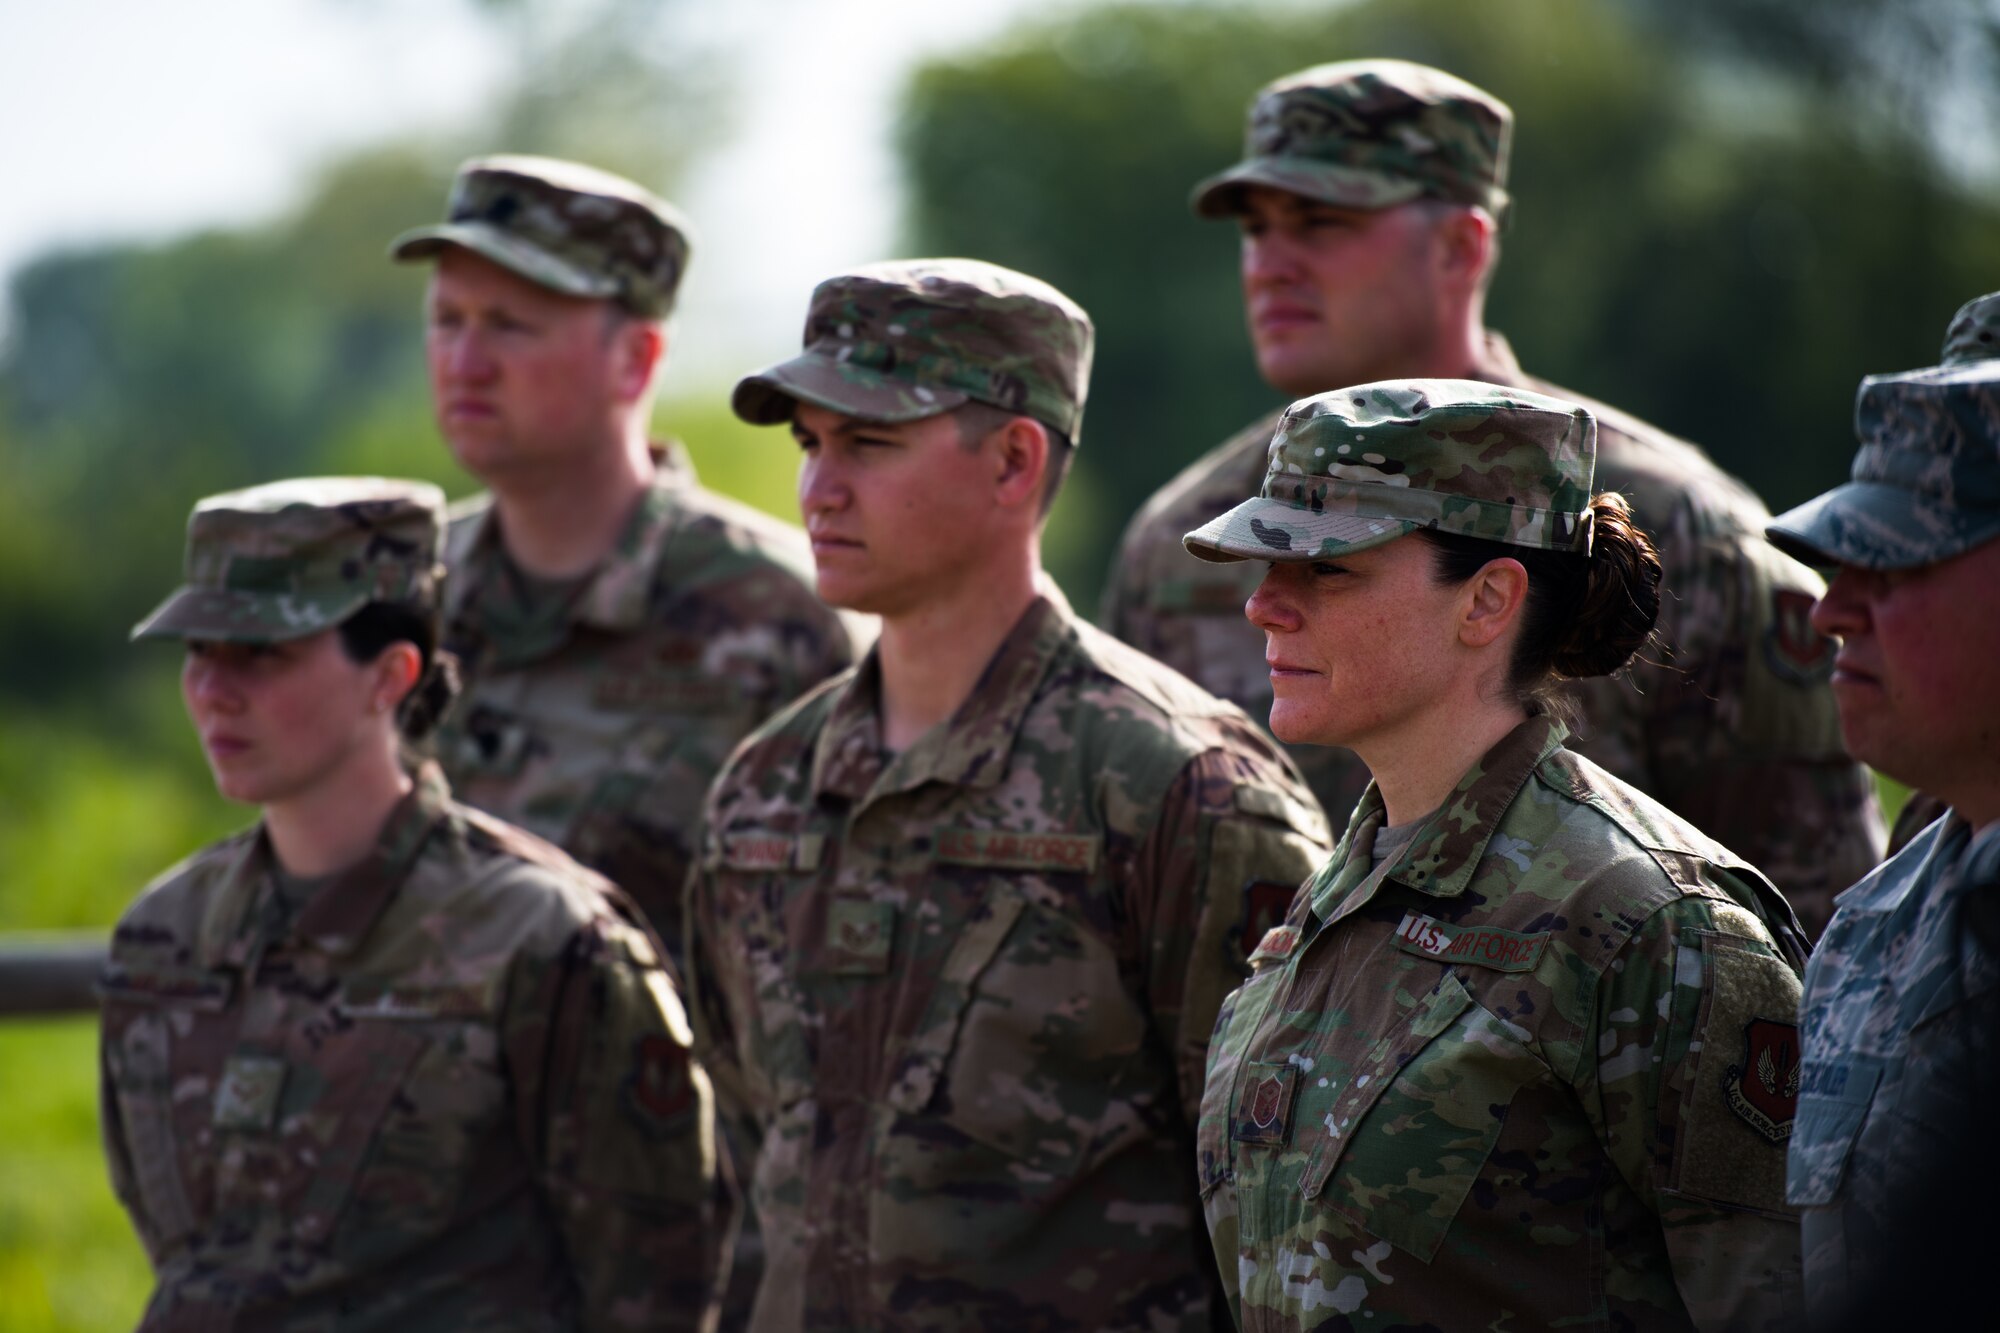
1496,363
971,749
338,917
1449,845
616,596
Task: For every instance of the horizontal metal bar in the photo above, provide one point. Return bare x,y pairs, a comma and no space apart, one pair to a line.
50,974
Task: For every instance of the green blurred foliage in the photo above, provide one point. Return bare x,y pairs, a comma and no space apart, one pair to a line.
69,1261
1720,247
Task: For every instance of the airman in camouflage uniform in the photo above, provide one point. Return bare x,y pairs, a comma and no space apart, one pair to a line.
1730,724
598,705
447,1087
1902,1005
1531,1065
968,979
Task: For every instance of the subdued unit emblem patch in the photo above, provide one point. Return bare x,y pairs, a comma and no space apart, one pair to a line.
1264,1106
1764,1089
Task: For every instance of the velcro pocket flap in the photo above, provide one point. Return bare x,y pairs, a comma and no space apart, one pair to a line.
928,1048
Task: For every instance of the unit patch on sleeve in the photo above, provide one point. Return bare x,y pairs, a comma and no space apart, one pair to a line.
1764,1089
1475,946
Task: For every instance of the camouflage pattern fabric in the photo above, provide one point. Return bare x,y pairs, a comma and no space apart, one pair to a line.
1901,1023
1362,466
1730,722
293,558
569,227
1926,481
969,987
600,729
1370,134
912,338
452,1090
1535,1071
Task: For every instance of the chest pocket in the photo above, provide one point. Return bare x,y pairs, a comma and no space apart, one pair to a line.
1835,1097
1029,1037
166,1033
1397,1146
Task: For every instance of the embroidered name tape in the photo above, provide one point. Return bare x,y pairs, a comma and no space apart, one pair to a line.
772,851
1001,850
1476,946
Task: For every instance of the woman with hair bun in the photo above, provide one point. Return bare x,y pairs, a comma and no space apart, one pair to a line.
382,1061
1524,1052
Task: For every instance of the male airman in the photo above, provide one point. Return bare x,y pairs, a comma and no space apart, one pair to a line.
620,627
966,914
1369,202
1901,1016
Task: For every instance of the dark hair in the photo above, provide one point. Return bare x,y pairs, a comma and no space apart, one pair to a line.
977,420
1585,615
368,632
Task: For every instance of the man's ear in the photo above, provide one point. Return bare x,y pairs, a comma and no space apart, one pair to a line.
1464,246
1491,602
1020,452
642,349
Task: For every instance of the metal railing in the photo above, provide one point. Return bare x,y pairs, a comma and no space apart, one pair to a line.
44,974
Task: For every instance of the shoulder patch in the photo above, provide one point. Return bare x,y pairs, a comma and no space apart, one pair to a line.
1764,1089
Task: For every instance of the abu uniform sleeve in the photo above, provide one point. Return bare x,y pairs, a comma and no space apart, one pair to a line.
1233,841
1693,1088
618,1116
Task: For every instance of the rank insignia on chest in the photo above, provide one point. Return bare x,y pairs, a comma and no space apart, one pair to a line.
860,933
246,1097
1264,1104
1764,1089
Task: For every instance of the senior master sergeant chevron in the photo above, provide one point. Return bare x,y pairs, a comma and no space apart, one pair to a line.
1369,201
969,910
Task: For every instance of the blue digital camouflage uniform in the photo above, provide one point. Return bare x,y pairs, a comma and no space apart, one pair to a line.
1901,1019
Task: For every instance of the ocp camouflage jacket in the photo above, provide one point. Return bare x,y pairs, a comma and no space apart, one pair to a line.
1533,1072
967,988
452,1091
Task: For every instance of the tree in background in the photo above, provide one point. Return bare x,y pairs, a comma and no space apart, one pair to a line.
1707,241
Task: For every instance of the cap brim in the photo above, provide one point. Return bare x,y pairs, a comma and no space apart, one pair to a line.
1876,526
230,616
1265,529
1220,196
508,251
770,395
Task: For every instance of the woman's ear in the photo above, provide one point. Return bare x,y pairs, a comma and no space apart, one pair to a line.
1491,603
396,673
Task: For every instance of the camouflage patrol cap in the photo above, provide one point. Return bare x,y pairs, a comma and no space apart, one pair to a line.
1360,467
1925,485
1370,134
912,338
571,228
293,558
